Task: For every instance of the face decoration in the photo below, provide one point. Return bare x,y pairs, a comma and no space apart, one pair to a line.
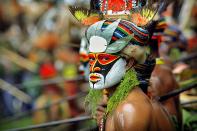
84,59
106,70
84,66
106,45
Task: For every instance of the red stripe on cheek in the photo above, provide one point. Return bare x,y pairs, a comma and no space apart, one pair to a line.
92,66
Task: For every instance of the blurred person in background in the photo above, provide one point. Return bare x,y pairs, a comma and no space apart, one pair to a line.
50,93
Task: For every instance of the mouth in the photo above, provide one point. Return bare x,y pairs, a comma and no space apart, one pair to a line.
94,78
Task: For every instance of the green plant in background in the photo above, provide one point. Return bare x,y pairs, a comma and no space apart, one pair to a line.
189,120
175,54
23,122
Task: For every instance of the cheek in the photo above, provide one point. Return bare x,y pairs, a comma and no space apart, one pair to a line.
116,73
91,65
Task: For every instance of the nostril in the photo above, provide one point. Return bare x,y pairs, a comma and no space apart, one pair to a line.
97,69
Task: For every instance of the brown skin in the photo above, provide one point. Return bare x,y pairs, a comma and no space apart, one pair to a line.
162,82
137,112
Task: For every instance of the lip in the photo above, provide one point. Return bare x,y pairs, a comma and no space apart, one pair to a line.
94,78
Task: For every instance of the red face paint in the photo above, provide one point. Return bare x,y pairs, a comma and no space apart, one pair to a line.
84,57
102,58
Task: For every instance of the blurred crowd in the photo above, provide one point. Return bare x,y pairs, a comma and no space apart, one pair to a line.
39,55
39,44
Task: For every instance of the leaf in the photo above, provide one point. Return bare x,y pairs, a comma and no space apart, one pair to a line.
188,117
109,31
119,44
94,29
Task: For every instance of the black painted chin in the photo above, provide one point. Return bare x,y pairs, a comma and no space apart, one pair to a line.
94,83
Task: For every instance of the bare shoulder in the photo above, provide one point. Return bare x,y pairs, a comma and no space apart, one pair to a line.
134,113
161,69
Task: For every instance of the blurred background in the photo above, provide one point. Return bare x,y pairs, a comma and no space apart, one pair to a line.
40,79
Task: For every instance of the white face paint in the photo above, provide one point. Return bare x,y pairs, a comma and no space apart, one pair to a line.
112,78
97,44
85,70
84,66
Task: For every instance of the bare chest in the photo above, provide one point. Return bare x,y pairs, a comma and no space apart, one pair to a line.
110,125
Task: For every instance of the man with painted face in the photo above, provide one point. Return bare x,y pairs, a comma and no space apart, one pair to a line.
120,68
84,59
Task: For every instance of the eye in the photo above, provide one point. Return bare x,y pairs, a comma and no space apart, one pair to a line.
105,58
91,59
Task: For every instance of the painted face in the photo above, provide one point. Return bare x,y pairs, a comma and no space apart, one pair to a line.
106,70
84,59
84,66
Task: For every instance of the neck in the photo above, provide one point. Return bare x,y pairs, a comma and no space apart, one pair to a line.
109,91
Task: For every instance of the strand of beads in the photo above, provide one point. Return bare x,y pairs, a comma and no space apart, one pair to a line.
125,5
101,125
105,2
105,7
101,5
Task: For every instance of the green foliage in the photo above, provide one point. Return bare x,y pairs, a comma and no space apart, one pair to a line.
92,99
175,122
23,122
128,83
188,82
189,120
118,45
175,54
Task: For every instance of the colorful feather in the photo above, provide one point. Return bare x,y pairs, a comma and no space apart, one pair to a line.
145,12
142,17
140,12
85,16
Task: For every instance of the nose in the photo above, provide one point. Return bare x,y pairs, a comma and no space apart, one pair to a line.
97,69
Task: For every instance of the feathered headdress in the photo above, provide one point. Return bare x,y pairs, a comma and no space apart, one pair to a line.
139,12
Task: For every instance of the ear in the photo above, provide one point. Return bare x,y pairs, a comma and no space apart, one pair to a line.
130,63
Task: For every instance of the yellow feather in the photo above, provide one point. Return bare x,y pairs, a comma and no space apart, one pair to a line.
80,15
